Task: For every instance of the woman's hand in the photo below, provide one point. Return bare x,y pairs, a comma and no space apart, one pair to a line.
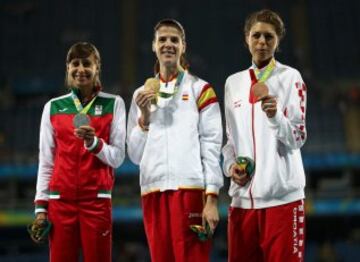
238,175
269,105
87,133
211,213
143,101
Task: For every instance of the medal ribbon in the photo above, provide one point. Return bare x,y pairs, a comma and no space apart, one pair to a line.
78,105
176,88
263,75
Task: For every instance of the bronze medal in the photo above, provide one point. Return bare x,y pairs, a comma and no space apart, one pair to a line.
260,90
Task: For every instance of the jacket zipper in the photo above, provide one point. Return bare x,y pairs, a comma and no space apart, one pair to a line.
251,98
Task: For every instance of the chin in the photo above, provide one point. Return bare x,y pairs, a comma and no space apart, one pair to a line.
169,63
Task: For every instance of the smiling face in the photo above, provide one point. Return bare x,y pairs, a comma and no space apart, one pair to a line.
262,41
83,72
168,46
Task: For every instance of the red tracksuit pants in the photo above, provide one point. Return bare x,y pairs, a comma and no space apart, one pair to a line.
84,226
275,234
167,217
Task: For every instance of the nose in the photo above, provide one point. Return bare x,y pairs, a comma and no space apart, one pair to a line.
262,39
168,42
81,67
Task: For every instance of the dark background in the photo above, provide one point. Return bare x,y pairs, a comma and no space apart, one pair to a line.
322,42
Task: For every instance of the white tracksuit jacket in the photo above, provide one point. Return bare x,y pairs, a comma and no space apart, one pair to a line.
274,143
183,145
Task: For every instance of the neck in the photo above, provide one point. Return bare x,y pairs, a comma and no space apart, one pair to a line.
263,63
168,73
86,93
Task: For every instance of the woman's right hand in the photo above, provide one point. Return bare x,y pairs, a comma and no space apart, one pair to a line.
143,101
238,175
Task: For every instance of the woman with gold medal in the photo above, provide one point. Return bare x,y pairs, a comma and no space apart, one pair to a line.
82,141
265,108
175,135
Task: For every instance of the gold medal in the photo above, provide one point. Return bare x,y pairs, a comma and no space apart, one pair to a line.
152,84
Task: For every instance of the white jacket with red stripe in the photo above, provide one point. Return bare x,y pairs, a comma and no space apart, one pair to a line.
274,143
182,148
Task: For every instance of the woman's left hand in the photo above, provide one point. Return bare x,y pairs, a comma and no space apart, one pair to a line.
269,106
211,213
87,133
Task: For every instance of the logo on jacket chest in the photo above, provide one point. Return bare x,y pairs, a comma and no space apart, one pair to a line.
98,110
185,96
237,103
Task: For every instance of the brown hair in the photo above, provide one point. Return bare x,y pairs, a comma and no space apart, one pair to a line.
84,50
173,23
265,16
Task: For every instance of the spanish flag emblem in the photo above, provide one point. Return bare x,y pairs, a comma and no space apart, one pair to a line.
207,97
185,96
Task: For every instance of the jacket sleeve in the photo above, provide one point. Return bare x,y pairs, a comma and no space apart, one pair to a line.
46,160
210,134
113,154
289,124
228,150
136,137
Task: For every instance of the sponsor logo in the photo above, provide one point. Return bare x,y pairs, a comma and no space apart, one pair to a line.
104,234
63,109
191,215
237,103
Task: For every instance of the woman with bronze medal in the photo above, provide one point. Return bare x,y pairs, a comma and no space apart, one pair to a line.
175,135
265,109
82,140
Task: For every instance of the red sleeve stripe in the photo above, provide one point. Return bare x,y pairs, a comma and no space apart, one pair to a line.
208,102
207,97
205,87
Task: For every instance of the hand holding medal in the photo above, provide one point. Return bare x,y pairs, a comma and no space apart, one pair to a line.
81,121
260,91
152,84
242,171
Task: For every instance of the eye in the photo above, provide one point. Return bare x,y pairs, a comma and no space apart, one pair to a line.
162,39
75,63
86,63
175,39
256,35
268,36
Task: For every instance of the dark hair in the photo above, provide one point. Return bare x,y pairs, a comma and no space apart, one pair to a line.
265,16
84,50
172,23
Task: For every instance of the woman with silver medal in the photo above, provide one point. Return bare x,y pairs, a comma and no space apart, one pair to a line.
175,135
82,141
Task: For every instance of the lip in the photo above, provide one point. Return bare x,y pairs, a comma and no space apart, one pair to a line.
168,53
82,76
261,50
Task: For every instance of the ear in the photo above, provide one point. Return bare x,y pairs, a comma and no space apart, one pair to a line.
247,39
184,49
153,47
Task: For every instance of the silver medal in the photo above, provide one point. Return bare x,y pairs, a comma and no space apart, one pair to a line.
81,120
